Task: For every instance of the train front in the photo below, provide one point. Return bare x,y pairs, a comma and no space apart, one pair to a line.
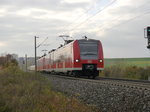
88,57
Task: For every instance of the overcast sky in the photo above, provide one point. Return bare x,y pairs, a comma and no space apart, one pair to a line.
119,24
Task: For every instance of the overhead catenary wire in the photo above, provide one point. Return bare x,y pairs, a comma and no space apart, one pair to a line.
45,47
127,20
78,18
92,16
42,42
69,24
119,18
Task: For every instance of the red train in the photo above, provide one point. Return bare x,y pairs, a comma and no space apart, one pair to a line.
77,58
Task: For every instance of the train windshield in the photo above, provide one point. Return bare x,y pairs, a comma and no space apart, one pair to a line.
88,49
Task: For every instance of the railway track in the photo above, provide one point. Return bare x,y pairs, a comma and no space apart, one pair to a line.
134,84
142,81
107,94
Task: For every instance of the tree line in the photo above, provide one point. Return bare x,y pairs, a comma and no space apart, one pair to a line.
6,60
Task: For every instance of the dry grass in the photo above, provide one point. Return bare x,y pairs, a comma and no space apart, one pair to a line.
129,72
27,92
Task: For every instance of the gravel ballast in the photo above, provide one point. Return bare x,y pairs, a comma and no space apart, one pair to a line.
108,98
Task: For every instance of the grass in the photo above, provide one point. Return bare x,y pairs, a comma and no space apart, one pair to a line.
27,92
129,68
124,62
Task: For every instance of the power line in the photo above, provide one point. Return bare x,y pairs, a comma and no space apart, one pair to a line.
119,18
42,42
135,17
80,16
93,15
54,42
129,20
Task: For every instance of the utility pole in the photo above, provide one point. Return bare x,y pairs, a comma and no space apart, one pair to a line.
22,64
26,61
35,53
36,50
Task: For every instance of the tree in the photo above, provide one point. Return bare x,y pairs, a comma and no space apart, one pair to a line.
6,60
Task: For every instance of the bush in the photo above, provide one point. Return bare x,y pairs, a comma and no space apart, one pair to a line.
114,71
129,72
29,92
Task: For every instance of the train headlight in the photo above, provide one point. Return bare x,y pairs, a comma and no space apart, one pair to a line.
77,60
100,61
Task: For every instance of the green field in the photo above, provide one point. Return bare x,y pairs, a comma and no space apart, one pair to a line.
124,62
128,68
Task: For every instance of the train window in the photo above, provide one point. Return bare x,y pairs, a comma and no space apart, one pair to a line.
88,49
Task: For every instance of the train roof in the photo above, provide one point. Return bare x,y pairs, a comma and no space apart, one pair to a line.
69,41
51,50
88,39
